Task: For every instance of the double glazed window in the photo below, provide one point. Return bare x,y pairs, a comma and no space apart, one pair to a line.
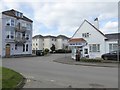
94,47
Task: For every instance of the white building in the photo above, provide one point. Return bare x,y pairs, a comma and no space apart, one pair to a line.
91,41
16,33
40,42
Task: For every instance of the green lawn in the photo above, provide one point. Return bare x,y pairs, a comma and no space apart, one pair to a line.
10,78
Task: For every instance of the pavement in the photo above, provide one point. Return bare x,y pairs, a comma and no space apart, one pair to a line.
68,60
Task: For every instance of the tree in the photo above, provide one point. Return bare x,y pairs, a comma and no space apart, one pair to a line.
52,48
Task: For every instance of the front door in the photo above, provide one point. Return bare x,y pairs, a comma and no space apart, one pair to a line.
86,52
7,50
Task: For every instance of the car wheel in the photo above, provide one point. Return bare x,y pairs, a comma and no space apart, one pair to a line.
105,58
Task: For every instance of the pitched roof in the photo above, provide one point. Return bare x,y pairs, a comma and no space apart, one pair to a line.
49,36
112,36
12,14
62,36
37,36
91,25
75,40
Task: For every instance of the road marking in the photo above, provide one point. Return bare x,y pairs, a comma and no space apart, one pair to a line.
52,80
28,80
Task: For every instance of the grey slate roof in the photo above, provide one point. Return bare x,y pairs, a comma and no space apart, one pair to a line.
112,36
62,36
37,36
49,36
12,14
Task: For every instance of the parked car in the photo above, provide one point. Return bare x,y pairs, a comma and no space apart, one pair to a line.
111,56
39,52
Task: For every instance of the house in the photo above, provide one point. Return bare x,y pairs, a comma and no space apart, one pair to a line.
62,42
91,41
42,42
37,42
16,33
48,41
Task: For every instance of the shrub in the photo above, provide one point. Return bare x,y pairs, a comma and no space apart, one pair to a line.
62,51
46,51
90,60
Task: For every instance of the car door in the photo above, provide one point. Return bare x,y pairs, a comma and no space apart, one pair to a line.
114,55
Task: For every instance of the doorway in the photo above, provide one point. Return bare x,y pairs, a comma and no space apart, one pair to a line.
7,50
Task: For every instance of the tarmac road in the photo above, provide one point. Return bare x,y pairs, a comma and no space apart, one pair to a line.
42,72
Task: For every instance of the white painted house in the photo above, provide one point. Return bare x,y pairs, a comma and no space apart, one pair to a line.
91,41
16,33
40,42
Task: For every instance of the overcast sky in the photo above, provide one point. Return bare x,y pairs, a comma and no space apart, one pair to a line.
54,17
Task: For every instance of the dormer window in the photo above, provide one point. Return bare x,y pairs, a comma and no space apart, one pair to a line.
18,14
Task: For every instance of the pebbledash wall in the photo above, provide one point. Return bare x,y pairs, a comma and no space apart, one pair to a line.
16,32
97,42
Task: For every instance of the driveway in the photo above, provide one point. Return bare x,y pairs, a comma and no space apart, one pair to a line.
42,72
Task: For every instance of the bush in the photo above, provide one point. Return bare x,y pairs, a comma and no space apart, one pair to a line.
46,51
90,60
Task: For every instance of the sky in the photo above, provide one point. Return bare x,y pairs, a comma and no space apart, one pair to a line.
55,17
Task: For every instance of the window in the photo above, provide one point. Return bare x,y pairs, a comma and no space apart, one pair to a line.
85,35
27,36
12,22
94,47
113,47
8,22
26,47
7,34
29,26
12,35
36,44
23,24
85,51
15,46
23,47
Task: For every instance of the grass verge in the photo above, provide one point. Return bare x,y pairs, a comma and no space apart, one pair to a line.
10,79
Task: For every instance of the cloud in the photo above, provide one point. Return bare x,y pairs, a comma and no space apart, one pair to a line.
66,16
110,27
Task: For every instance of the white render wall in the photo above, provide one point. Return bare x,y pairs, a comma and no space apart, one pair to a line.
47,43
39,45
59,43
94,38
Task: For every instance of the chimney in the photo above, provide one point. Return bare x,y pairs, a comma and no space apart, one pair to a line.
96,23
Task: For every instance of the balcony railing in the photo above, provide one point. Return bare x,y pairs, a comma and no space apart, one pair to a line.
20,39
20,29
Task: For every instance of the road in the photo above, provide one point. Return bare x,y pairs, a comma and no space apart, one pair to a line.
42,72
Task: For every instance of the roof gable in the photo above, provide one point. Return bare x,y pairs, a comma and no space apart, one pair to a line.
91,26
12,14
